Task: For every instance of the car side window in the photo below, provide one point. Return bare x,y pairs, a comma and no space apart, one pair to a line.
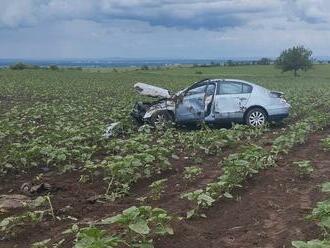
226,88
247,88
230,88
196,90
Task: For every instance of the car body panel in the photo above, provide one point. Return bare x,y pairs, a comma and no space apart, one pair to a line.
150,90
191,108
219,106
230,106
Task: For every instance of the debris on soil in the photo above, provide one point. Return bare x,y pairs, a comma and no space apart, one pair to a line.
95,198
27,188
113,130
14,201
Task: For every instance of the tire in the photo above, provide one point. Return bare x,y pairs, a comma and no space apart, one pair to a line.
256,117
162,118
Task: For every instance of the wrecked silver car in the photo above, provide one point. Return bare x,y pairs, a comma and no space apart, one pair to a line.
212,101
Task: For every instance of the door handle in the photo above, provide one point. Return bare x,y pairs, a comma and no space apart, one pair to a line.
241,98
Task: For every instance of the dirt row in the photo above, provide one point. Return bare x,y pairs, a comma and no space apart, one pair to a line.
72,198
268,213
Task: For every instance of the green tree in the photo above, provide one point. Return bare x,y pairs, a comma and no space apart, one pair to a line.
54,67
294,59
22,66
264,61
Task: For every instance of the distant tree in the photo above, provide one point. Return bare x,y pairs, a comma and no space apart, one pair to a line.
17,66
294,59
230,63
264,61
22,66
53,67
144,67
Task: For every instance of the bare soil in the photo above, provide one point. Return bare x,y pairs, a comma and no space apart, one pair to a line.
268,212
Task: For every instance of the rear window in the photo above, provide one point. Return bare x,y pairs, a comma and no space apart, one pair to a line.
225,88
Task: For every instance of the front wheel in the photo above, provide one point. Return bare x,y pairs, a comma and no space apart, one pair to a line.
162,118
256,117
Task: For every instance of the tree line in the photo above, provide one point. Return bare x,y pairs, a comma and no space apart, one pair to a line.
292,59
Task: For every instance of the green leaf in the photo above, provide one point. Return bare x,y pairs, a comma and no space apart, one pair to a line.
326,187
131,210
206,198
325,221
41,244
140,227
61,157
298,244
146,245
311,244
112,220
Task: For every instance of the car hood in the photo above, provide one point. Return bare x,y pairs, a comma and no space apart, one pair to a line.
153,91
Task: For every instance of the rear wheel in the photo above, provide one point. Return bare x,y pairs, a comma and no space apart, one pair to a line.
162,118
256,117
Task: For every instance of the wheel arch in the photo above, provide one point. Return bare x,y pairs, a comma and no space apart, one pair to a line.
252,107
150,119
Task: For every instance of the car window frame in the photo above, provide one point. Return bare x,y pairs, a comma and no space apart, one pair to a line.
199,84
250,86
233,82
208,85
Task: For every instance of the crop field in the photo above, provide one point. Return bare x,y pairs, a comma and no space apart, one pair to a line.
63,184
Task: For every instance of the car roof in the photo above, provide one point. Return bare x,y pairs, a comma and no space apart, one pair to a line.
231,80
217,80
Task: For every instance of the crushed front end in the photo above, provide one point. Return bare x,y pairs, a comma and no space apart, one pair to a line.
139,110
143,111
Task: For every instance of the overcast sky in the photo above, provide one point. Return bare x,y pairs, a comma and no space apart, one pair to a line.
161,28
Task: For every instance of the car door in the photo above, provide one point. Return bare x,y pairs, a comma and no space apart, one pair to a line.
230,100
190,107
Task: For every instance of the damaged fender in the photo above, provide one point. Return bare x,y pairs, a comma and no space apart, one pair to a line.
143,111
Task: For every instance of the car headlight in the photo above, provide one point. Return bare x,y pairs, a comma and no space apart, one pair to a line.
283,100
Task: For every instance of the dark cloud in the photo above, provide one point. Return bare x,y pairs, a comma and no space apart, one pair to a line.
213,15
208,14
161,28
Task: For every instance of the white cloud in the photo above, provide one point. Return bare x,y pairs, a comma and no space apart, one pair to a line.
209,14
311,11
161,28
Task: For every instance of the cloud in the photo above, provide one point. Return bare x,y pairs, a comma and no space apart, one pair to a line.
314,12
207,14
15,12
161,28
